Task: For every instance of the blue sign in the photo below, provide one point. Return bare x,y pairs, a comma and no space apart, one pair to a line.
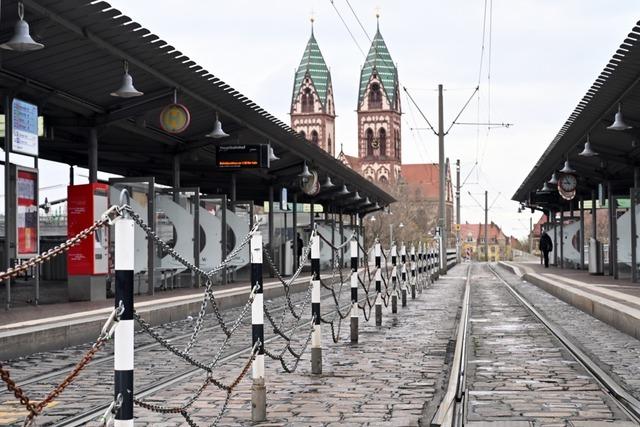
25,128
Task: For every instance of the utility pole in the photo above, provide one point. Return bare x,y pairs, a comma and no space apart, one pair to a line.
486,225
441,207
458,254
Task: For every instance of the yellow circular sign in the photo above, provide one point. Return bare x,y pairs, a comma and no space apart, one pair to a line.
175,118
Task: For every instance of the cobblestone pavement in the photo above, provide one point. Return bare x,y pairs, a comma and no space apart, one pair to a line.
518,373
94,386
616,352
385,379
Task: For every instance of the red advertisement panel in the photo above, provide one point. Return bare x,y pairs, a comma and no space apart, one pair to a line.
84,204
27,213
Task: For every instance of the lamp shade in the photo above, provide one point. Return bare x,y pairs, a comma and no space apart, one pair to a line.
618,121
567,167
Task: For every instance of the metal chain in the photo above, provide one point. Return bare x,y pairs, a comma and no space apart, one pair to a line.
184,354
36,409
287,285
175,255
339,247
108,217
208,381
296,355
208,294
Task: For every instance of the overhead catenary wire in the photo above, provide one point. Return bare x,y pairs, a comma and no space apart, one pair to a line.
347,27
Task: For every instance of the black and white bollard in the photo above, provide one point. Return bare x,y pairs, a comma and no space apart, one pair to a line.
403,285
354,291
419,268
123,341
378,277
394,279
413,271
316,336
258,388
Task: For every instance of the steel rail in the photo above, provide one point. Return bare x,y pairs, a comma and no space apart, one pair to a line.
450,409
628,403
85,417
96,361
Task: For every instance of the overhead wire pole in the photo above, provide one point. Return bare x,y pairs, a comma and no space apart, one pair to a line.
486,225
441,205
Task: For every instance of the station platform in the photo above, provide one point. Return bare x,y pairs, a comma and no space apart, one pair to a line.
614,302
31,329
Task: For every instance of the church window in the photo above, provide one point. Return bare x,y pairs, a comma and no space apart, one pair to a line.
384,180
375,96
329,145
314,137
307,101
302,134
370,143
382,137
398,145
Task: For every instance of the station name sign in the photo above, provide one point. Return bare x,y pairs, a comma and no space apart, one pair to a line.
243,156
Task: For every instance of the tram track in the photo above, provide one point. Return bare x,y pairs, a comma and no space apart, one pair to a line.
451,411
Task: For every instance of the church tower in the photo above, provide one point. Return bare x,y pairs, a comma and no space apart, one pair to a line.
312,107
379,112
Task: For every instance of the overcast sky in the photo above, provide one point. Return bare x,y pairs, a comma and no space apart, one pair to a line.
544,55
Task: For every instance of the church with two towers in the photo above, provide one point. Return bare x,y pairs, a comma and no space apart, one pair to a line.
379,110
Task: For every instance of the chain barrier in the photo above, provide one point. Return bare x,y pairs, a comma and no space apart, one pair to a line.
106,333
36,409
182,410
164,342
287,285
296,355
207,275
107,218
339,247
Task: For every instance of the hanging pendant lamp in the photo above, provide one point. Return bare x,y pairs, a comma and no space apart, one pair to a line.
305,174
357,197
217,131
127,90
587,151
21,40
344,191
554,179
545,188
327,183
567,168
618,121
272,155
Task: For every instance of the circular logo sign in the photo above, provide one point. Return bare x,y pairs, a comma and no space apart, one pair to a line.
175,118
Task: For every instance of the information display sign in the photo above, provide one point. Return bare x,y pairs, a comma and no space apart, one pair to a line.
24,136
27,239
242,156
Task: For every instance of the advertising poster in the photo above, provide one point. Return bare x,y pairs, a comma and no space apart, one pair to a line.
27,213
25,128
85,204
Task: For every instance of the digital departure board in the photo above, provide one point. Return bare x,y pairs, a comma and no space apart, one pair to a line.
243,156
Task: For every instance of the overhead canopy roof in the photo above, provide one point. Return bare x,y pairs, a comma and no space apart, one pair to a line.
82,63
619,151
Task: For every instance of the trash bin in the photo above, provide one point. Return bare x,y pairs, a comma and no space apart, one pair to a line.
288,258
596,261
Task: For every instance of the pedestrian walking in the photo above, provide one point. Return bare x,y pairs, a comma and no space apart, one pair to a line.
546,246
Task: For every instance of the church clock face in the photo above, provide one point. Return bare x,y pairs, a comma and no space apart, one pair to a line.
375,143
